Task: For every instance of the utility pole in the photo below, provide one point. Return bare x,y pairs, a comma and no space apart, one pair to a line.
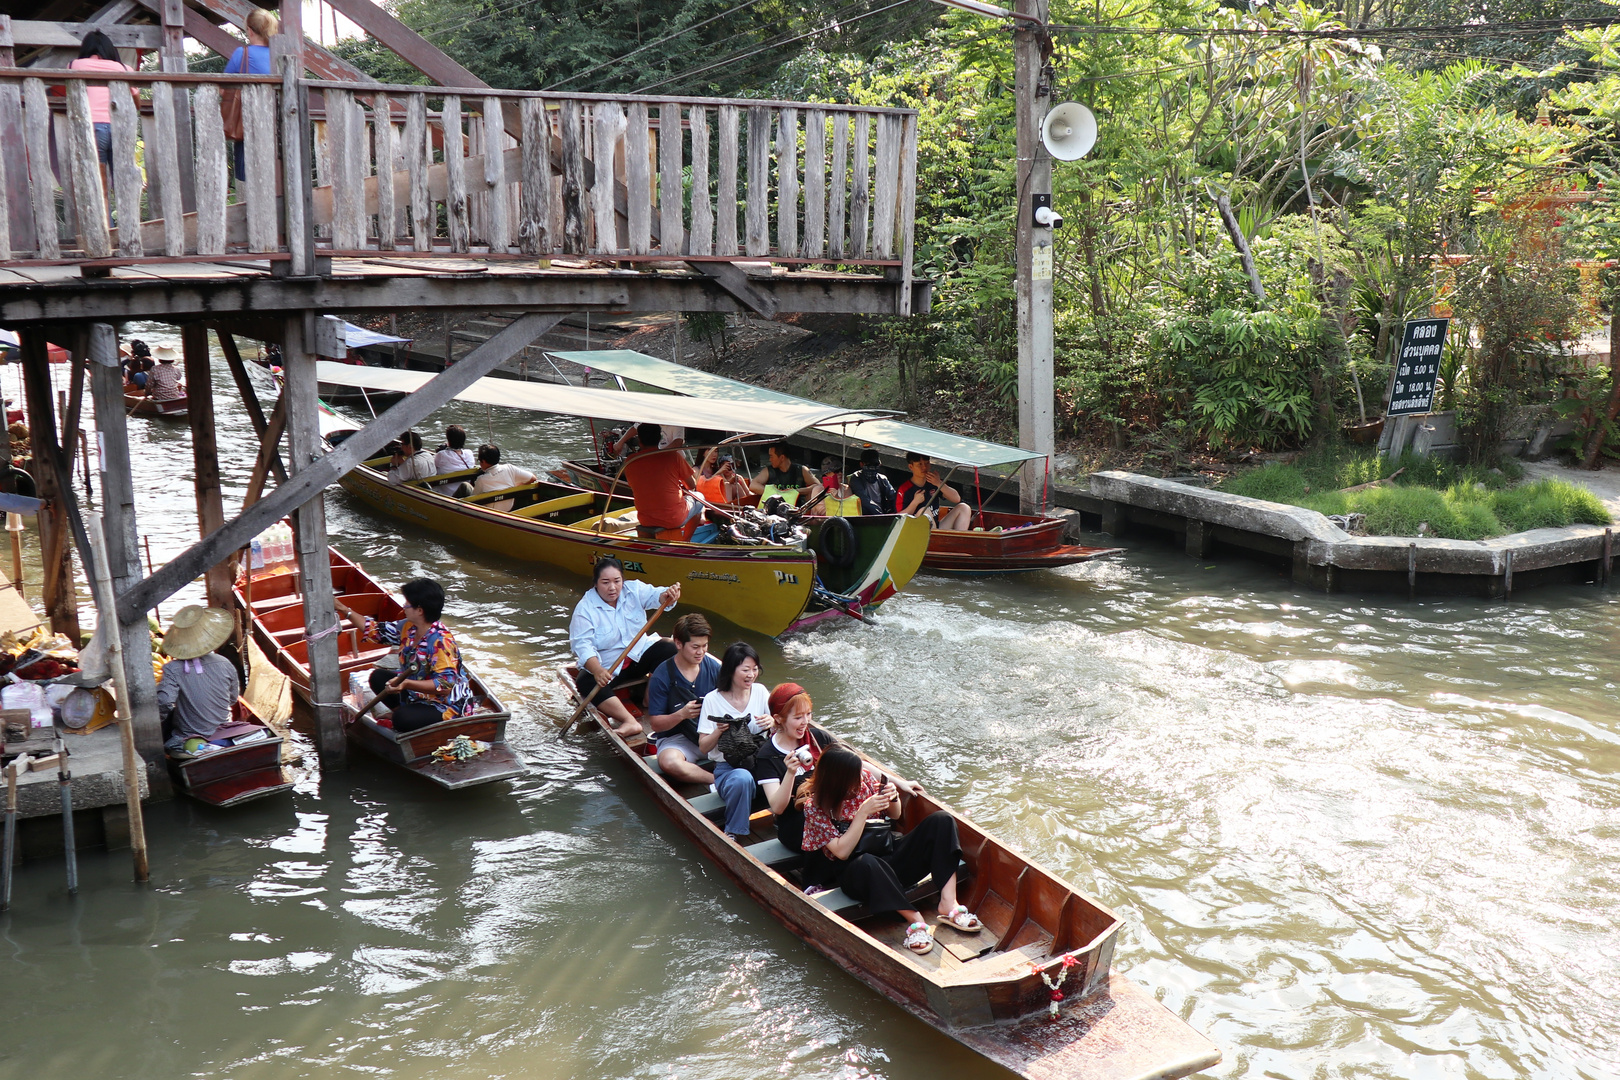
1033,84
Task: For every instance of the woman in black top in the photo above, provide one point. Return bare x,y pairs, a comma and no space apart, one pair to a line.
777,768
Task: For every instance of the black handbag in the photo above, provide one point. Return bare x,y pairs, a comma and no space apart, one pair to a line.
738,745
877,838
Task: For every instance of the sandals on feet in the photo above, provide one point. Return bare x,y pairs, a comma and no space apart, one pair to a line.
918,939
962,919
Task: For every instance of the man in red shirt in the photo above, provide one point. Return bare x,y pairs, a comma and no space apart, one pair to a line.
660,481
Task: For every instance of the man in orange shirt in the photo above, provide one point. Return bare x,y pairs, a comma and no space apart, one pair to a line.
660,481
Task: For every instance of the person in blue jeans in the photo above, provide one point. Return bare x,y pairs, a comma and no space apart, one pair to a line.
253,59
738,698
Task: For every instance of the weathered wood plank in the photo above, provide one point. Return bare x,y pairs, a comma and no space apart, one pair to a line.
211,172
5,234
86,166
262,156
608,128
534,221
64,175
908,208
14,155
725,204
838,194
787,183
126,174
573,189
322,150
757,216
164,151
382,131
455,163
887,164
300,208
671,226
701,239
498,221
346,141
37,132
815,183
637,179
418,158
860,205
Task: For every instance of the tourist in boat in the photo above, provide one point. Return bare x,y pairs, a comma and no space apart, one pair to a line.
198,687
675,696
841,500
408,461
872,486
737,698
926,494
719,483
778,768
844,801
431,684
163,381
661,482
498,477
782,478
453,456
606,620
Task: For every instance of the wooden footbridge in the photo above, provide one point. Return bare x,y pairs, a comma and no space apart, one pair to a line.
355,197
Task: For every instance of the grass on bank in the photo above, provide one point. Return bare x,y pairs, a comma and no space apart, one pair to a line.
1458,502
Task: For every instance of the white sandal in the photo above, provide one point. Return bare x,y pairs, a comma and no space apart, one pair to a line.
962,919
918,939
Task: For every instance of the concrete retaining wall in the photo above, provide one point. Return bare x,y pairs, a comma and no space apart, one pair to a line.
1319,554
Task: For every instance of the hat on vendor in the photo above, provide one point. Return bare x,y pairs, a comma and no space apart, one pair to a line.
197,631
166,353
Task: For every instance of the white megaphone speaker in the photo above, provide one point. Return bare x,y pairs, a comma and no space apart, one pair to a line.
1069,131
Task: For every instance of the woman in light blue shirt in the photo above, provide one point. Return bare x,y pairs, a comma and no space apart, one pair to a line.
253,59
605,621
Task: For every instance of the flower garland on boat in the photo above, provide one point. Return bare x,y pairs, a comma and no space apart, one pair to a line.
1056,985
460,749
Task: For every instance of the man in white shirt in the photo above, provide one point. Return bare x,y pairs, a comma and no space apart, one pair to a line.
453,458
498,477
410,461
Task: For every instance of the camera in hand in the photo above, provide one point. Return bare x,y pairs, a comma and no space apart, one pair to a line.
807,760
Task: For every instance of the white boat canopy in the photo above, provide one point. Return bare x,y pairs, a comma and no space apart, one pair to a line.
754,418
700,385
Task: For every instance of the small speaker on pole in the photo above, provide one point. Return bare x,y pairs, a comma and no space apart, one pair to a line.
1069,131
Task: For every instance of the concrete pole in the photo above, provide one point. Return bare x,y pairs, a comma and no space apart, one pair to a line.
298,357
1033,85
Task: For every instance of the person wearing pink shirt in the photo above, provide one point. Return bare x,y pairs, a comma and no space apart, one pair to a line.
97,53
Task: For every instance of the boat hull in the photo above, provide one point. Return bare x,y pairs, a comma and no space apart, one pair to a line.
413,751
235,774
141,405
1026,542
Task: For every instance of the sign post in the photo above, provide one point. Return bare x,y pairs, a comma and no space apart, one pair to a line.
1411,384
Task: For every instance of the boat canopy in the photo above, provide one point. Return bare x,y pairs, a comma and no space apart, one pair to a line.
679,379
358,337
752,417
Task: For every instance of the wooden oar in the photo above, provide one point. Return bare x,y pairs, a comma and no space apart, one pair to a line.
624,658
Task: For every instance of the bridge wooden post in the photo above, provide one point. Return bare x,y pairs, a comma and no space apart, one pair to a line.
53,527
308,337
205,456
123,552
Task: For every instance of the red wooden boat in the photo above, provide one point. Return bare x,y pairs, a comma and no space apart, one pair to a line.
141,405
248,770
276,612
1005,544
988,990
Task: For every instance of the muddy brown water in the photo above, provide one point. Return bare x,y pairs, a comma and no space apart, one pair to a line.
1349,838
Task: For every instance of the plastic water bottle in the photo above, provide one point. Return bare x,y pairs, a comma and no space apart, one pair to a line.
256,554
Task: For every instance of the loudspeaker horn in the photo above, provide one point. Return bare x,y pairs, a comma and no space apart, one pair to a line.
1069,131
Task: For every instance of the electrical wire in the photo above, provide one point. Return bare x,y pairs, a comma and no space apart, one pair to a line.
1531,26
650,44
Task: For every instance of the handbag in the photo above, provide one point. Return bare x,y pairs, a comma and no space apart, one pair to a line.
230,111
737,744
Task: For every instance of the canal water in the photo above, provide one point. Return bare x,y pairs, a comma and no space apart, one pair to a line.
1349,838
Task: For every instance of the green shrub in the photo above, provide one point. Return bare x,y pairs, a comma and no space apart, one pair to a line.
1398,511
1550,504
1274,483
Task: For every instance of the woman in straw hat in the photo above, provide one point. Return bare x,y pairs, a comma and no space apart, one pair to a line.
163,381
199,686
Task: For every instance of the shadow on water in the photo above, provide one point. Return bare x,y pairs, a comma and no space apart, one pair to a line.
1350,838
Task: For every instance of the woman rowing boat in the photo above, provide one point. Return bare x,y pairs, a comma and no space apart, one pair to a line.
431,684
607,622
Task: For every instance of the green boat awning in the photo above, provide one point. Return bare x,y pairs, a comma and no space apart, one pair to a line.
689,382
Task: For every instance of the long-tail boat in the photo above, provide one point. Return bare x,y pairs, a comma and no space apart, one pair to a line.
173,409
275,609
771,588
231,775
997,543
1034,990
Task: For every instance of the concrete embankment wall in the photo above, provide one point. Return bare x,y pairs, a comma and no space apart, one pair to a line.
1317,553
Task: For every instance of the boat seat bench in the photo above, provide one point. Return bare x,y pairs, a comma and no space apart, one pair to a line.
708,804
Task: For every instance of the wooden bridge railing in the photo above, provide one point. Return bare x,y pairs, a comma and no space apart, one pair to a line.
432,171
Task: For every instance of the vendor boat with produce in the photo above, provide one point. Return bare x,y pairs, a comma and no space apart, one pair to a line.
771,573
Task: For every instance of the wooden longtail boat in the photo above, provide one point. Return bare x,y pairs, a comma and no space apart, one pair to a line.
772,589
235,774
985,990
276,613
141,405
1024,542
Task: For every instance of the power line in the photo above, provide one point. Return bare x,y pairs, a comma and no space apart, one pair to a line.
1530,26
650,44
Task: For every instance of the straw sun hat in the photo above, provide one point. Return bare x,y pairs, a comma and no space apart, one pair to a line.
197,631
165,352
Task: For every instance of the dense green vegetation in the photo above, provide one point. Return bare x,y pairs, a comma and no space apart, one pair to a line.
1374,176
1456,501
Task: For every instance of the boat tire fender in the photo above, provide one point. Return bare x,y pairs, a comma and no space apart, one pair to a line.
836,544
